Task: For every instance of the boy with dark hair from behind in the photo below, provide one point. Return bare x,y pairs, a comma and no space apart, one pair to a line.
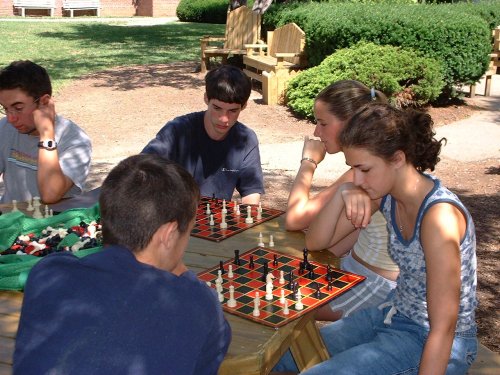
132,307
221,153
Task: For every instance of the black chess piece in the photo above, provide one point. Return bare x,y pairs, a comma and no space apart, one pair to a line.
329,286
290,280
275,260
317,293
221,267
265,271
251,264
311,274
301,268
237,258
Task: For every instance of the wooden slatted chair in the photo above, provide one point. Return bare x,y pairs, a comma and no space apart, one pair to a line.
494,67
242,27
276,62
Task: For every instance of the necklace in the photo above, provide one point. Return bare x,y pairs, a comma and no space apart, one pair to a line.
398,218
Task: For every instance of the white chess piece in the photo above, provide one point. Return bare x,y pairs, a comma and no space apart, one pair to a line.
235,205
282,296
249,219
46,214
30,206
208,209
256,302
212,222
261,242
209,284
285,308
271,241
230,274
231,302
14,205
257,296
219,276
299,305
282,277
224,209
223,224
238,212
220,296
37,214
269,291
259,211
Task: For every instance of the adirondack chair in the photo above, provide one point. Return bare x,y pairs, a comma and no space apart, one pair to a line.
282,59
494,67
242,27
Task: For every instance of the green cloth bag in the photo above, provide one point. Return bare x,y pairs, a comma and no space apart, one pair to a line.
14,269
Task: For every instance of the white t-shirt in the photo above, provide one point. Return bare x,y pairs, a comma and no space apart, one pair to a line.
19,159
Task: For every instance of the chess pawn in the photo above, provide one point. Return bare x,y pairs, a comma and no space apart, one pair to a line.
46,214
220,296
259,211
271,241
14,206
208,209
224,209
212,222
30,206
230,271
256,302
238,212
282,297
281,280
235,205
249,219
37,214
285,308
261,243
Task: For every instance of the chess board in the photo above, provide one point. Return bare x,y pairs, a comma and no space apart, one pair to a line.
247,282
235,223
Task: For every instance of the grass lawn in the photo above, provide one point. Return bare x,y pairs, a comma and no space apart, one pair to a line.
69,50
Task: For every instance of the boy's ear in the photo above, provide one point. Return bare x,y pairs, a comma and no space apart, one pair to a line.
169,234
205,97
44,99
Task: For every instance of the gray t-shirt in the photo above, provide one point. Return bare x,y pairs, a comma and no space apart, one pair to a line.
19,159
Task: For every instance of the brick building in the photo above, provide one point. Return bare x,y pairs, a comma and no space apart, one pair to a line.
109,8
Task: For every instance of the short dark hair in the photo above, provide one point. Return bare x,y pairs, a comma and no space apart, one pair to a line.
382,130
142,193
228,84
27,76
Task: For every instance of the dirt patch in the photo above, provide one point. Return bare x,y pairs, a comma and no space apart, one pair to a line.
122,109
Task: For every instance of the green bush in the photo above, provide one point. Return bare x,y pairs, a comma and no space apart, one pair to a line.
445,32
404,75
205,11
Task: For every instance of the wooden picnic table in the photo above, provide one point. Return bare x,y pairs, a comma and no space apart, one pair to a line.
254,348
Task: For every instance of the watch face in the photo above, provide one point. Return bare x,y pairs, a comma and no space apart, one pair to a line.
48,144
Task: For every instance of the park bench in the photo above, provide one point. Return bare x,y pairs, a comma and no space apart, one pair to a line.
242,27
72,5
494,67
50,5
283,58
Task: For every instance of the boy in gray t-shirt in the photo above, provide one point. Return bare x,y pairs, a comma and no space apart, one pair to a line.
41,154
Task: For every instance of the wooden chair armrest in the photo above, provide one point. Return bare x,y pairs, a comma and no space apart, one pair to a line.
252,47
286,54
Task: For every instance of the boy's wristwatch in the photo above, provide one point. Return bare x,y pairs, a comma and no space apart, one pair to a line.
48,144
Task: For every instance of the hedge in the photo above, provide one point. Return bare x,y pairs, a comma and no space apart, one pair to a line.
445,32
403,75
204,11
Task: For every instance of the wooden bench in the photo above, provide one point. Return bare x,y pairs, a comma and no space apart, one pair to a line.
50,5
494,67
72,5
283,57
242,27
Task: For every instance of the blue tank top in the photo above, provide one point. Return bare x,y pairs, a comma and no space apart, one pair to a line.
410,295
